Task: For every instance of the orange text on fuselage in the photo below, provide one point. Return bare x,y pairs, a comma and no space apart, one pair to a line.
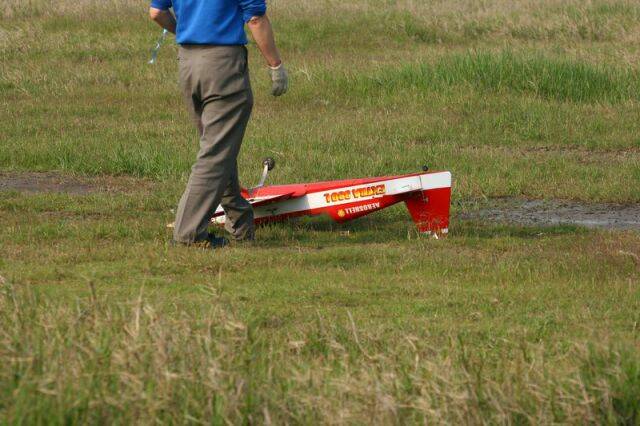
368,191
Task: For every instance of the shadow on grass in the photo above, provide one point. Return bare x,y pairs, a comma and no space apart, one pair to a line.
478,229
321,230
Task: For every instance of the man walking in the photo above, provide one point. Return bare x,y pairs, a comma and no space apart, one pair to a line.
214,79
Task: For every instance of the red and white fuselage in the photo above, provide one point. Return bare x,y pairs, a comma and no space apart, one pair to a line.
427,196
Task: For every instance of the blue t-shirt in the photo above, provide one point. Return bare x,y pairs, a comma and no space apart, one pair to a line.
219,22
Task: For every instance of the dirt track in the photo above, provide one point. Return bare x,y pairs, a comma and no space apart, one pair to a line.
44,182
55,182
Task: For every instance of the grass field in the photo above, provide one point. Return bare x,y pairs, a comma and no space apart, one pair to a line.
101,321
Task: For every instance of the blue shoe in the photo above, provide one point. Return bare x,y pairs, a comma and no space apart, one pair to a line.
216,242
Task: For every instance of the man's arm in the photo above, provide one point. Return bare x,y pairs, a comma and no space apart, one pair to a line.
164,18
262,33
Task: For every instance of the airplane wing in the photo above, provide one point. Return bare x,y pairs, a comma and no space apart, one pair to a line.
261,201
268,199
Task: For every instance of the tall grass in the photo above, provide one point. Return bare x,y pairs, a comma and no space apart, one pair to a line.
429,21
18,9
537,75
139,361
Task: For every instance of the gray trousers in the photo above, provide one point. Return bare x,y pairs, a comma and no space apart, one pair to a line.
215,84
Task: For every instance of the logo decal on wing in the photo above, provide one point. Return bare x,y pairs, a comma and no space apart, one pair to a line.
367,191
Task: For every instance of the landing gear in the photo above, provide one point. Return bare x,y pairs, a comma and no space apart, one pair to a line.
269,163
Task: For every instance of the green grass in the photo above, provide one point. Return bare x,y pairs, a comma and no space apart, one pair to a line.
104,322
537,76
101,321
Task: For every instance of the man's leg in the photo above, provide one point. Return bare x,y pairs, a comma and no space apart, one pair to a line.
220,81
239,220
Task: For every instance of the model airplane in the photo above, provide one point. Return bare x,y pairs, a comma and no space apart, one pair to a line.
427,196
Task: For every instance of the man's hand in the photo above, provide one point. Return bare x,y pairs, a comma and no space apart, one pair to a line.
164,18
279,80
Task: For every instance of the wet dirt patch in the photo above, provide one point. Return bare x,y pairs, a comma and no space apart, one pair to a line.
555,212
55,182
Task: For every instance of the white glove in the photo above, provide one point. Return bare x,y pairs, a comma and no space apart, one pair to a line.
279,80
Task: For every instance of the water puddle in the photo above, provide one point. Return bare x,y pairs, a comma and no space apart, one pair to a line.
556,212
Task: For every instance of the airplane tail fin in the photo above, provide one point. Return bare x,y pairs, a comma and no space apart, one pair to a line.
430,210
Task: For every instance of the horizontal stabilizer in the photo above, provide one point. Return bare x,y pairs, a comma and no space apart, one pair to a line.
268,199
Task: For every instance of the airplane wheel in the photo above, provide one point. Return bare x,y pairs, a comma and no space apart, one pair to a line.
440,234
269,162
436,235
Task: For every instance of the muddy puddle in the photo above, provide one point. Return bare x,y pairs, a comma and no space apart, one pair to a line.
555,212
